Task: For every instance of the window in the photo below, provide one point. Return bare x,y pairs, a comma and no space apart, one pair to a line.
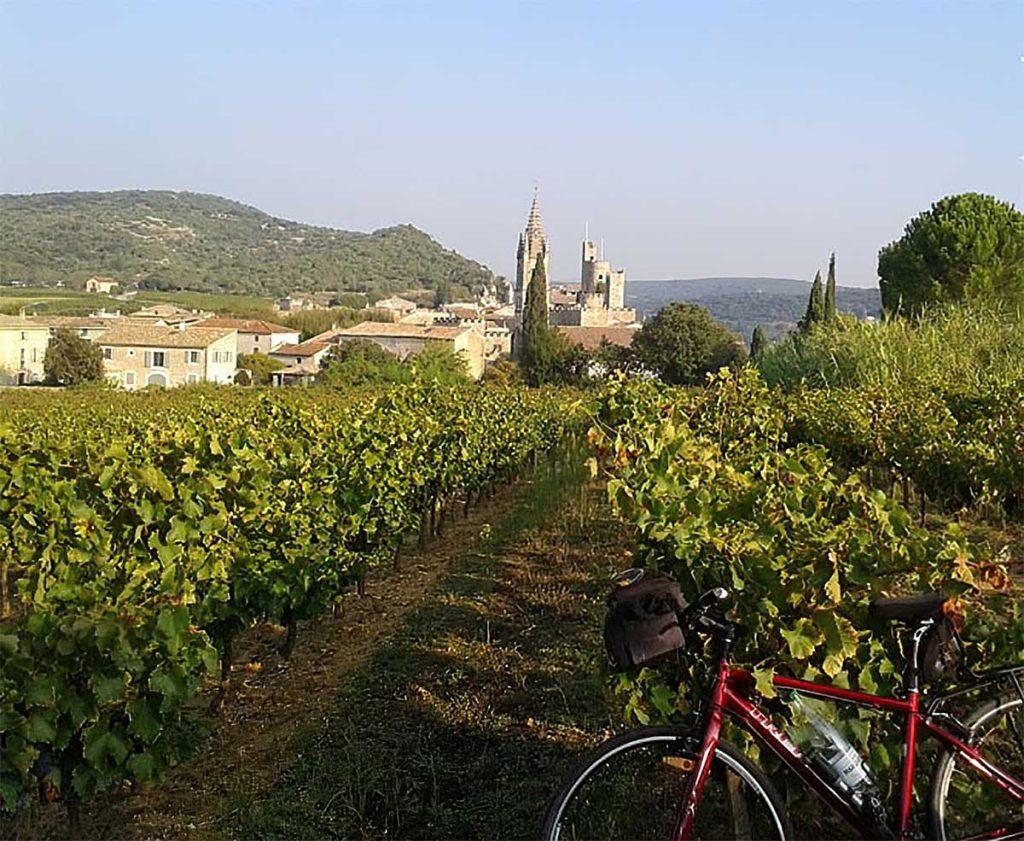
192,357
21,357
34,352
156,359
108,353
192,379
129,378
23,336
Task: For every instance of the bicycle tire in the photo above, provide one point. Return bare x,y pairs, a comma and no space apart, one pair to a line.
983,724
729,764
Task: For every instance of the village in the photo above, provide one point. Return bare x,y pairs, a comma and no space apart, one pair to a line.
166,345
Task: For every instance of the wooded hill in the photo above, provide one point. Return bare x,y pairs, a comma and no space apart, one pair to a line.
743,303
168,240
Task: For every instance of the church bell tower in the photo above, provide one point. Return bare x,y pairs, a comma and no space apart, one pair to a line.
532,242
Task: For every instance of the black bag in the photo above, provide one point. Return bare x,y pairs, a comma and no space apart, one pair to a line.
940,652
642,623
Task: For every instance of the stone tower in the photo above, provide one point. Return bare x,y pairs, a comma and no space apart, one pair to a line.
532,242
600,284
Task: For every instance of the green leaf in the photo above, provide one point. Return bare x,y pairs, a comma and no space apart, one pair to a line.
142,767
802,639
107,689
41,726
832,588
143,720
763,682
102,744
153,479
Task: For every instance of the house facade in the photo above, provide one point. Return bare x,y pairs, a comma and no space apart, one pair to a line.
405,340
23,346
256,335
102,285
138,356
307,354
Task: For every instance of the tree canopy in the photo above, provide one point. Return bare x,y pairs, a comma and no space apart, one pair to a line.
259,365
72,360
967,246
683,343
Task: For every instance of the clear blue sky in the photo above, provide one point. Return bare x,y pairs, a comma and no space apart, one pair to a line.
733,138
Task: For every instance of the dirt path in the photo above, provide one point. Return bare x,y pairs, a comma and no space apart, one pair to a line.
466,718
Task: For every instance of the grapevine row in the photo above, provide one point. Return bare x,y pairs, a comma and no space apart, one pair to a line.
719,496
139,536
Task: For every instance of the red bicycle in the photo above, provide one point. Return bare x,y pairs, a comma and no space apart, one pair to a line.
682,782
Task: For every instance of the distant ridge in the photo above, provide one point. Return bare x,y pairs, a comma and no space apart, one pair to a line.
742,303
205,243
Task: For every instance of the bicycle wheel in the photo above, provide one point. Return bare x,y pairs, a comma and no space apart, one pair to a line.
964,805
632,785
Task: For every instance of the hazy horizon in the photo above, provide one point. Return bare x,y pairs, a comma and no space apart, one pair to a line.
728,140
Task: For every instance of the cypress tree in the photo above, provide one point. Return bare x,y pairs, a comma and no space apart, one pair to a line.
758,343
815,306
538,349
830,289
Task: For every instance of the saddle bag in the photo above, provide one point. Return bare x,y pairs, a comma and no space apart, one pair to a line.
940,653
642,623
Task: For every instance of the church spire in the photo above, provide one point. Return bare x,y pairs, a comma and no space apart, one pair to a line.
534,224
532,243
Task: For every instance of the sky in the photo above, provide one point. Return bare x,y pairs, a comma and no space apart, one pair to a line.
695,139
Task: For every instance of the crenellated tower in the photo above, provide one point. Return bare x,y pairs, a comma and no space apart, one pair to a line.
532,242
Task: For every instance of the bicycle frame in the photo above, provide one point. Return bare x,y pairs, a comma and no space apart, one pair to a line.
731,694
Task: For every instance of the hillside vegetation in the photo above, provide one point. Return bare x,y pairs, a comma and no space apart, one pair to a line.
743,303
204,243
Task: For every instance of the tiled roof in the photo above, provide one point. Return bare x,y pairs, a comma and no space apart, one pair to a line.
395,302
133,335
12,321
372,329
78,321
592,337
307,348
165,311
249,325
559,297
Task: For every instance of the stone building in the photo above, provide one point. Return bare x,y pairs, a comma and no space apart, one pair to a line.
137,356
601,299
23,346
533,242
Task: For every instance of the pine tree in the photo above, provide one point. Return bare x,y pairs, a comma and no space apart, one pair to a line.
815,306
758,343
830,289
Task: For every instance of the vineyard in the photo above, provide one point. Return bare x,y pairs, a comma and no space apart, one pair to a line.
142,536
772,496
139,534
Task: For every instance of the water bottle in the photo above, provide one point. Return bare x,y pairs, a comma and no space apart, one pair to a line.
837,761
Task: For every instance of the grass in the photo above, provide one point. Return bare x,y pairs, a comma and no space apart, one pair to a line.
47,301
467,718
965,347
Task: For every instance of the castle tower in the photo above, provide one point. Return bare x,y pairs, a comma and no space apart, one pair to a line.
615,290
532,242
588,268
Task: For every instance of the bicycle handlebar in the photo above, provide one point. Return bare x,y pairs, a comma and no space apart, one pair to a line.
699,615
